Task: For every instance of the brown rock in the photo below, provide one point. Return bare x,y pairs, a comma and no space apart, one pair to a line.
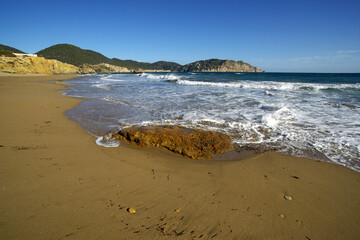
192,143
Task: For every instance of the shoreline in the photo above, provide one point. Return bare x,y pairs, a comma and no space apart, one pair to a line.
56,183
273,113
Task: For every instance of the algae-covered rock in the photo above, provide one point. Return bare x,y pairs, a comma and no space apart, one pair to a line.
192,143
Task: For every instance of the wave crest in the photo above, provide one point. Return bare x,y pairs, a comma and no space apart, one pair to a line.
270,85
161,77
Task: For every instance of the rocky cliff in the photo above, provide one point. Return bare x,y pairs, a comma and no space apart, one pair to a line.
102,68
217,65
35,65
51,66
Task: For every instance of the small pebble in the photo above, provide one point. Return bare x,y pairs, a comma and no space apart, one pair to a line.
288,197
177,210
282,215
131,210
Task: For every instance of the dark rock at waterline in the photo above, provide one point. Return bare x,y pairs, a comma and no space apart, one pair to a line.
192,143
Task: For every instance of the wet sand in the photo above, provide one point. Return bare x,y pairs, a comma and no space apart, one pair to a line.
56,183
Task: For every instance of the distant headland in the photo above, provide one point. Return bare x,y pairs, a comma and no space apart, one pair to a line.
67,58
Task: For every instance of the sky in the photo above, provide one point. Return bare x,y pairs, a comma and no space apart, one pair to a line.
274,35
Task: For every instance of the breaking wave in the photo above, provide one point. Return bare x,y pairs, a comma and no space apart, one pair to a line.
271,85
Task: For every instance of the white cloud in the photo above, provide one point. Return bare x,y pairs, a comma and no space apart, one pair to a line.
347,51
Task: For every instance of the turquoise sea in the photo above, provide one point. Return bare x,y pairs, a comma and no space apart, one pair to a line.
315,115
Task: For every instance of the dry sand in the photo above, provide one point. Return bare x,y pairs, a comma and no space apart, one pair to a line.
55,183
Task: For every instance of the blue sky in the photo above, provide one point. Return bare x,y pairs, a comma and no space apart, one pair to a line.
292,35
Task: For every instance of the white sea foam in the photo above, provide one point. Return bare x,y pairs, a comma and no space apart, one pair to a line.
106,142
169,76
281,116
269,93
102,86
269,120
115,80
269,85
111,78
112,100
213,84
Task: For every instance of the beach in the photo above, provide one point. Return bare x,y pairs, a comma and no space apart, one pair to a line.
56,183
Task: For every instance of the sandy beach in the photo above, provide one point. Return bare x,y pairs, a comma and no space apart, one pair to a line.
56,183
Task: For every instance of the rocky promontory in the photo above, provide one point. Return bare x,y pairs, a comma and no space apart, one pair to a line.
192,143
217,65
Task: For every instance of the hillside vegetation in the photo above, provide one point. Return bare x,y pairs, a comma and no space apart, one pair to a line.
10,49
166,65
5,53
73,55
89,61
77,56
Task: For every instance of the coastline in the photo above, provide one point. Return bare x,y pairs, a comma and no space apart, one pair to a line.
56,183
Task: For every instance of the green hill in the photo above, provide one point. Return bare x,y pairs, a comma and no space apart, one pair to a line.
131,64
77,56
73,55
11,49
166,65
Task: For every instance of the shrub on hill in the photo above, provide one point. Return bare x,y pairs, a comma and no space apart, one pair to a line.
11,49
4,53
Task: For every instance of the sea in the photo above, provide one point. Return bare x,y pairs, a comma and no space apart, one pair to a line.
314,115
